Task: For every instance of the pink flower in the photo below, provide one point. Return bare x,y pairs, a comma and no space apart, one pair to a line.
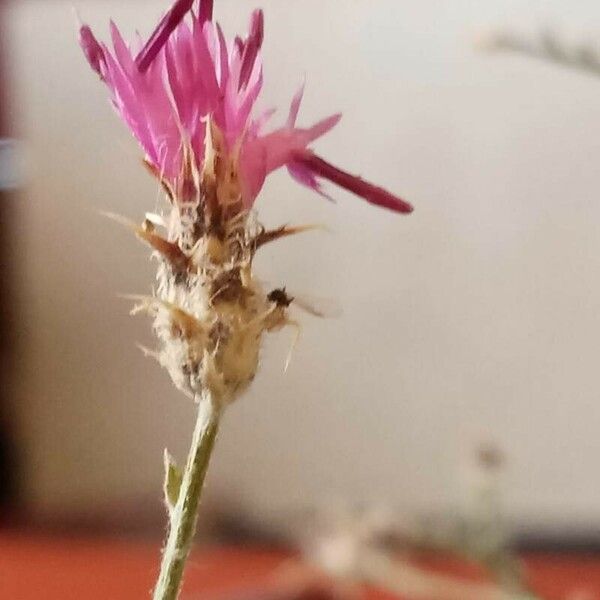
186,78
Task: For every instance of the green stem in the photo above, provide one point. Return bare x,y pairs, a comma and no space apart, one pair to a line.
185,512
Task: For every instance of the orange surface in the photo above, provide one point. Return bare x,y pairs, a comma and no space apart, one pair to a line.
74,569
50,568
551,576
574,577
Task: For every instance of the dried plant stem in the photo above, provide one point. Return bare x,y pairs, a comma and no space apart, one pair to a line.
546,46
184,515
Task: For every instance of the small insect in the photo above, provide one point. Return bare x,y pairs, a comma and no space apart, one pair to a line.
313,305
279,296
317,307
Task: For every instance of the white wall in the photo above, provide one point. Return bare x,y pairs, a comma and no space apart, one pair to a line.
476,316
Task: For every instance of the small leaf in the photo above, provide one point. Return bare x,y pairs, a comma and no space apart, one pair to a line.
172,483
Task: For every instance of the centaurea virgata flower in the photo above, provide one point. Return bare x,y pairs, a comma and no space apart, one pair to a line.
187,96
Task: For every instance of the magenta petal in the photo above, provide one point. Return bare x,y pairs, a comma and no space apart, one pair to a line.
371,193
122,53
321,128
206,11
239,44
253,170
306,177
205,66
295,106
223,59
248,58
128,105
246,106
176,77
281,145
92,50
257,26
161,34
251,47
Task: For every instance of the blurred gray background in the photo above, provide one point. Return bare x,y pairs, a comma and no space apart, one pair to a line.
476,318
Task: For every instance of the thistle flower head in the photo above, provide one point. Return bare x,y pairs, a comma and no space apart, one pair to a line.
187,88
187,95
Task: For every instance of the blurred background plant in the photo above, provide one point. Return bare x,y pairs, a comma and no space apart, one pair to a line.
547,45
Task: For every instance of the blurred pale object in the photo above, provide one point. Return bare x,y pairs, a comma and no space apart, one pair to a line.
11,167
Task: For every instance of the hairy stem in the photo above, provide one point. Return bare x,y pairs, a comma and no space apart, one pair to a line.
185,512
